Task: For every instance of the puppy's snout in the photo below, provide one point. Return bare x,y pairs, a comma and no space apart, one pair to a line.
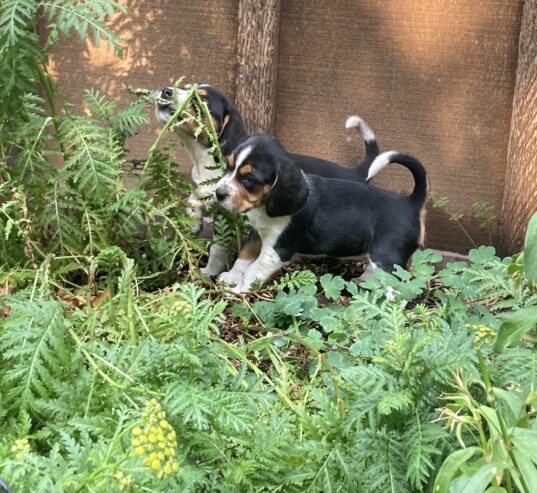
221,193
167,93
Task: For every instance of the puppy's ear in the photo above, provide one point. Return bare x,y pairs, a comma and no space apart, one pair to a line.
232,131
289,192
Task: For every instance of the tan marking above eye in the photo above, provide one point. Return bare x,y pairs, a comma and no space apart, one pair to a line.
202,92
187,86
231,160
245,169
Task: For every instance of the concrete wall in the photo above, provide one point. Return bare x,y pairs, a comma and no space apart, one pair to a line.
432,78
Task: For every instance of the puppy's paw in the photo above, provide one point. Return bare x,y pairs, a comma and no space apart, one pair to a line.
238,288
209,271
230,278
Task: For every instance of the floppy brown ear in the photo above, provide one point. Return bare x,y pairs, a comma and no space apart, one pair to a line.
232,131
289,192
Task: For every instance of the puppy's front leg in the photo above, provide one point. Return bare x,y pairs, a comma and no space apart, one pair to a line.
268,263
195,210
217,262
249,252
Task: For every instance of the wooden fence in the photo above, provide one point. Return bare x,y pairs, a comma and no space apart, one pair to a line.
453,83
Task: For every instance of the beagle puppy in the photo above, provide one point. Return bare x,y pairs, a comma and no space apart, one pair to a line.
302,214
231,132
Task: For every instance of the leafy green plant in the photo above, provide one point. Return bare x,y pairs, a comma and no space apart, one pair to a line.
121,370
501,433
482,212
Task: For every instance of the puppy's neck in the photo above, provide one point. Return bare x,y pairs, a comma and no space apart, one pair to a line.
202,159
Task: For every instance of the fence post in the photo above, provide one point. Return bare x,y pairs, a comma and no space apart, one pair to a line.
520,192
257,51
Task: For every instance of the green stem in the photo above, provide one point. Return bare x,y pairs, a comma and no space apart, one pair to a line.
48,85
463,229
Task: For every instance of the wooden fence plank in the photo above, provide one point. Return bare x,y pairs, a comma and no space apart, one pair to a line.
520,189
257,48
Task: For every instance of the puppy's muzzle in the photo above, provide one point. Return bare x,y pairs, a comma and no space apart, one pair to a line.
166,98
221,193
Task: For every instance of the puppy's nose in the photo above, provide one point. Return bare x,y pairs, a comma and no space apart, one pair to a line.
221,193
167,93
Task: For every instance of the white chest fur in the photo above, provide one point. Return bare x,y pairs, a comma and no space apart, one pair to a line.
269,228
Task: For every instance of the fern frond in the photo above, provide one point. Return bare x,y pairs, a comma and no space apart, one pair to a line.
94,162
381,455
69,16
400,400
33,347
128,121
99,106
422,447
296,280
125,122
20,52
16,19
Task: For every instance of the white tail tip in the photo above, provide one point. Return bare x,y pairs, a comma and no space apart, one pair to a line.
380,162
362,127
353,122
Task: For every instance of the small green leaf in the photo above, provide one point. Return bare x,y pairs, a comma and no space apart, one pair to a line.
477,482
451,467
527,471
526,440
332,285
482,254
514,326
315,339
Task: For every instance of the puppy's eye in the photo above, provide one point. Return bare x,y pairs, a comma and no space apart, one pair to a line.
248,184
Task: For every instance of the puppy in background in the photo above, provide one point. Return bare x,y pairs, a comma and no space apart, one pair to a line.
302,214
231,132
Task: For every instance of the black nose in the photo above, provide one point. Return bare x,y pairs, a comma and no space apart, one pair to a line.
167,93
221,194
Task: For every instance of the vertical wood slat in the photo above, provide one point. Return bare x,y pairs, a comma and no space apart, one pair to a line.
257,50
520,188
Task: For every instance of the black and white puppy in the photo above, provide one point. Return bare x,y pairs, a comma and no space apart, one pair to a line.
231,132
301,214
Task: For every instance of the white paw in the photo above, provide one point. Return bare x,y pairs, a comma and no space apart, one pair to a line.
238,288
209,271
230,278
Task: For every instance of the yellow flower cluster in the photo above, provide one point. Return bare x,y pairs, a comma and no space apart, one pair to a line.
483,333
19,447
156,441
125,482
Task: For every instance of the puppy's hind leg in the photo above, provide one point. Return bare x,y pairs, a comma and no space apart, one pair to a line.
370,272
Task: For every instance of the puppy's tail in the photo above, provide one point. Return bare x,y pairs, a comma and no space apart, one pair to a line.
370,141
419,194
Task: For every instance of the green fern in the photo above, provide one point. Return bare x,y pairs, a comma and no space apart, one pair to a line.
32,342
68,16
126,122
296,280
94,158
